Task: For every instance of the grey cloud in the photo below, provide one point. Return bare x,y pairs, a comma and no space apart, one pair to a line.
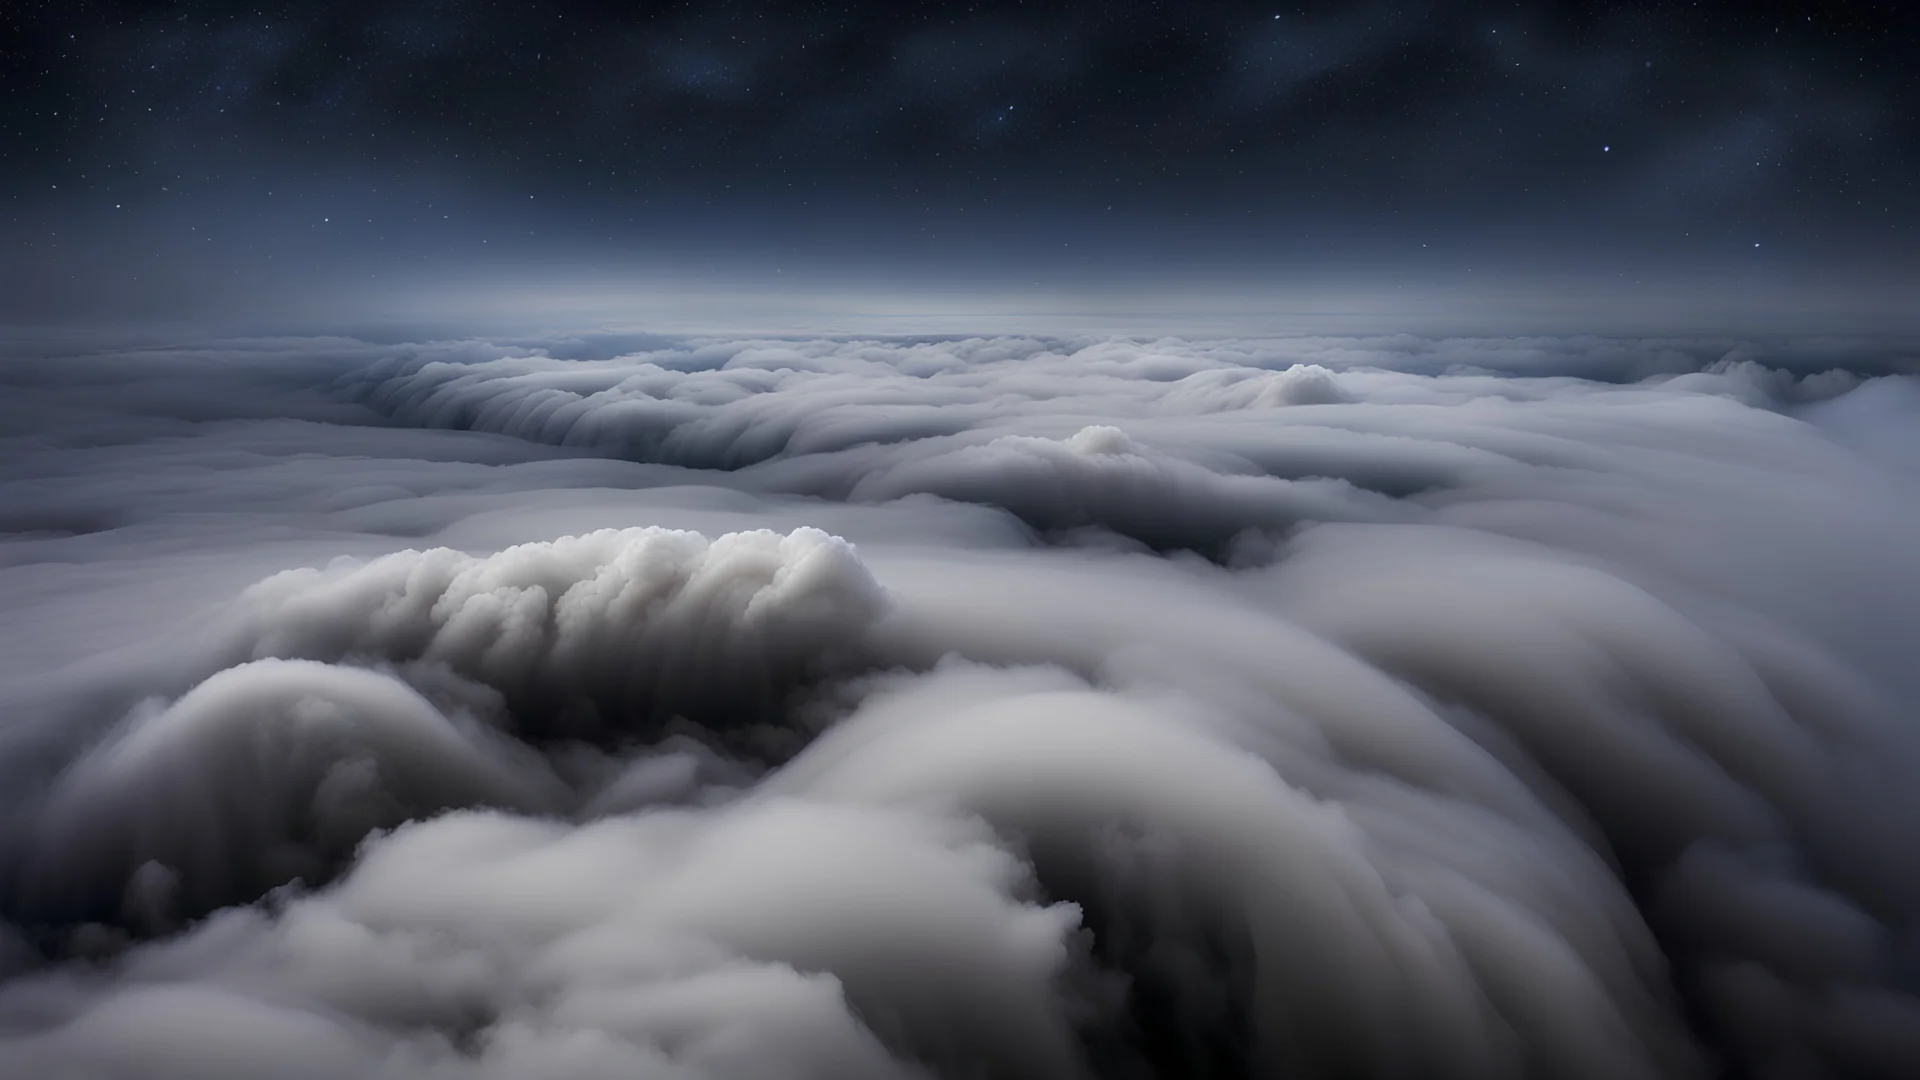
982,706
264,774
776,412
483,946
613,627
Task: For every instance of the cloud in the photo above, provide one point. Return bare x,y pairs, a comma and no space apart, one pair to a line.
611,629
478,945
986,706
264,774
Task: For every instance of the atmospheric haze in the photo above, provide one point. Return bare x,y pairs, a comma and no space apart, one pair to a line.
1053,705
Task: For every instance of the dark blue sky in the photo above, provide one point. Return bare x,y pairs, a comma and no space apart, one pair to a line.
155,152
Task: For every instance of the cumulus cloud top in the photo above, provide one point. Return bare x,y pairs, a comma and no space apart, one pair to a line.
615,628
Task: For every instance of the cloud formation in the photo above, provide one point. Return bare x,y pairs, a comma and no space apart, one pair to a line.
1011,707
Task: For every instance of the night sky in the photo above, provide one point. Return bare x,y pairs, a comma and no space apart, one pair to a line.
160,155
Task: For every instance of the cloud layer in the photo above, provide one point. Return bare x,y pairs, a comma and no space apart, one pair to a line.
1013,707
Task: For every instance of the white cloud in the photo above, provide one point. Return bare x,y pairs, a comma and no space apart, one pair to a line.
1034,706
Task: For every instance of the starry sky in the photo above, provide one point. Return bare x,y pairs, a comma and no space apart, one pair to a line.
161,155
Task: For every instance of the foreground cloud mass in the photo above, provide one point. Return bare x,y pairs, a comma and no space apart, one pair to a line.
625,706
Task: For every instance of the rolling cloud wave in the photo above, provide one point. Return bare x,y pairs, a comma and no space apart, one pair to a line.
1013,707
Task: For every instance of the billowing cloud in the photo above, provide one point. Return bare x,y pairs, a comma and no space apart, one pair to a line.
1010,707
